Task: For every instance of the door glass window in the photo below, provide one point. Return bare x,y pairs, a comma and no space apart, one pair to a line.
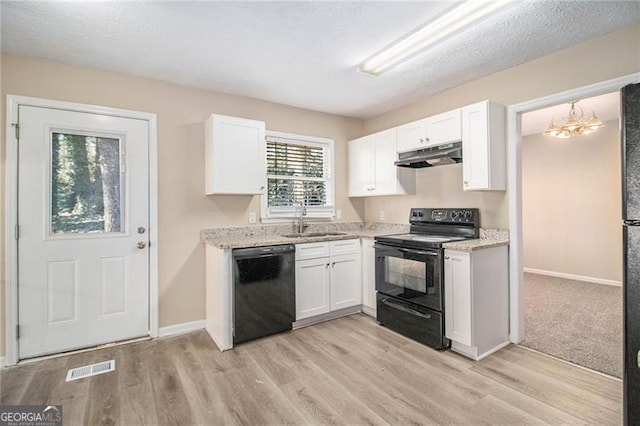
86,187
406,273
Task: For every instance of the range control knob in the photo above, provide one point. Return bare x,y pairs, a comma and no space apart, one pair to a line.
454,214
468,214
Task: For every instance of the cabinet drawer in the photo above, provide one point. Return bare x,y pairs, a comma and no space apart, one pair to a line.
344,247
312,250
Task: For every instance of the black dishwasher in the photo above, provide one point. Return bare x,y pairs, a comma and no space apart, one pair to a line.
264,291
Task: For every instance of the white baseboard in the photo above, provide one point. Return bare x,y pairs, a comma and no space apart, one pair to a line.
573,277
184,327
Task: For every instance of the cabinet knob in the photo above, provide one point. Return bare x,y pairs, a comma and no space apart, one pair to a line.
333,264
421,140
466,182
446,258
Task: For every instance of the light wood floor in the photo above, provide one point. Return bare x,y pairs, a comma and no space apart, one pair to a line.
346,371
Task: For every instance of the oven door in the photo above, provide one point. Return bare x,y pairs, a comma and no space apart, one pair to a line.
414,275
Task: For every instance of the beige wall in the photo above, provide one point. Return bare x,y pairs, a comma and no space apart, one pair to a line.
600,59
183,208
572,204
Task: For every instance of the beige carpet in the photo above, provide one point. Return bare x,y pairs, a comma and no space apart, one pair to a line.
576,321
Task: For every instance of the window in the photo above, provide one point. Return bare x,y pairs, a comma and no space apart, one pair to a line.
299,169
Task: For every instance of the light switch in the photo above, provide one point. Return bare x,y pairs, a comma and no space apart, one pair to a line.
252,217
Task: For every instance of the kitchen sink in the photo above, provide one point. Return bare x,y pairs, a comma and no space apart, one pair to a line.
314,234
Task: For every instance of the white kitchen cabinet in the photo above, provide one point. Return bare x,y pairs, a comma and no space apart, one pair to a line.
483,147
477,300
368,277
445,127
346,290
313,291
327,283
372,169
235,155
413,135
434,130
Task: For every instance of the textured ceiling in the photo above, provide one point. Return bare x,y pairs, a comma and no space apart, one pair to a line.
303,54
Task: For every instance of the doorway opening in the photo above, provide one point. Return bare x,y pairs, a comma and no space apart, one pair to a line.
572,238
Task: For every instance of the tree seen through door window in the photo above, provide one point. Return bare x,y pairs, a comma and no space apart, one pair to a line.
85,184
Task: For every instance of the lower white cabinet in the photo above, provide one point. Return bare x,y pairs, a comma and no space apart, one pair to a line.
313,291
368,277
477,300
326,283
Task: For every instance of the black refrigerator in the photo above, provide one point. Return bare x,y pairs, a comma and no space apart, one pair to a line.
630,96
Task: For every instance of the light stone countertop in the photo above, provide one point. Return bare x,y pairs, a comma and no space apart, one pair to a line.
268,235
488,238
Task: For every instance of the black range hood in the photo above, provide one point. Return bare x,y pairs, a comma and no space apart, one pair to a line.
438,155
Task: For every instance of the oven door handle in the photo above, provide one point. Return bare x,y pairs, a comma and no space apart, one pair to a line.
404,308
428,253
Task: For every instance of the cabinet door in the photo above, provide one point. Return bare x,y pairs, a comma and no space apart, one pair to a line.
235,155
445,127
475,150
457,289
386,172
413,135
360,167
346,285
369,275
312,287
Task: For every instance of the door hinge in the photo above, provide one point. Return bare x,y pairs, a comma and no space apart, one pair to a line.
17,231
16,126
17,331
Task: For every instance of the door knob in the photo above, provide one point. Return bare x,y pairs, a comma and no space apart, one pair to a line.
141,244
141,230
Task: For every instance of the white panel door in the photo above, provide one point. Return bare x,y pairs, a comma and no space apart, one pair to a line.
346,282
83,272
361,172
414,135
386,172
445,127
457,297
475,146
312,287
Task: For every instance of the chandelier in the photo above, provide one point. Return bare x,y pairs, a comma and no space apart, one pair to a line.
574,124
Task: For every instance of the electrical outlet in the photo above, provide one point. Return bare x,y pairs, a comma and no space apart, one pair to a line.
383,215
338,214
252,217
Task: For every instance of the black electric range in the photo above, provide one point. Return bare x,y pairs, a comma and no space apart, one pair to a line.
410,272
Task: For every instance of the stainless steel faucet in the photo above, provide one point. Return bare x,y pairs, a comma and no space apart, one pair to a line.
303,213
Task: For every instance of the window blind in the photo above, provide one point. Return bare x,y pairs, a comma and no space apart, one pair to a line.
296,173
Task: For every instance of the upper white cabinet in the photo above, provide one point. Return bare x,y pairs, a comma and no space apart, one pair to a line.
234,155
476,299
435,130
483,147
372,169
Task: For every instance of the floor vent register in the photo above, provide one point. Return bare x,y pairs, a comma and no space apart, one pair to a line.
91,370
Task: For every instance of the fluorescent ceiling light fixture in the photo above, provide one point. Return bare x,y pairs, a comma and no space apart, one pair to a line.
451,22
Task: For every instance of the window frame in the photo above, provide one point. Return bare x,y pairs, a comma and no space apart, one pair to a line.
285,214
